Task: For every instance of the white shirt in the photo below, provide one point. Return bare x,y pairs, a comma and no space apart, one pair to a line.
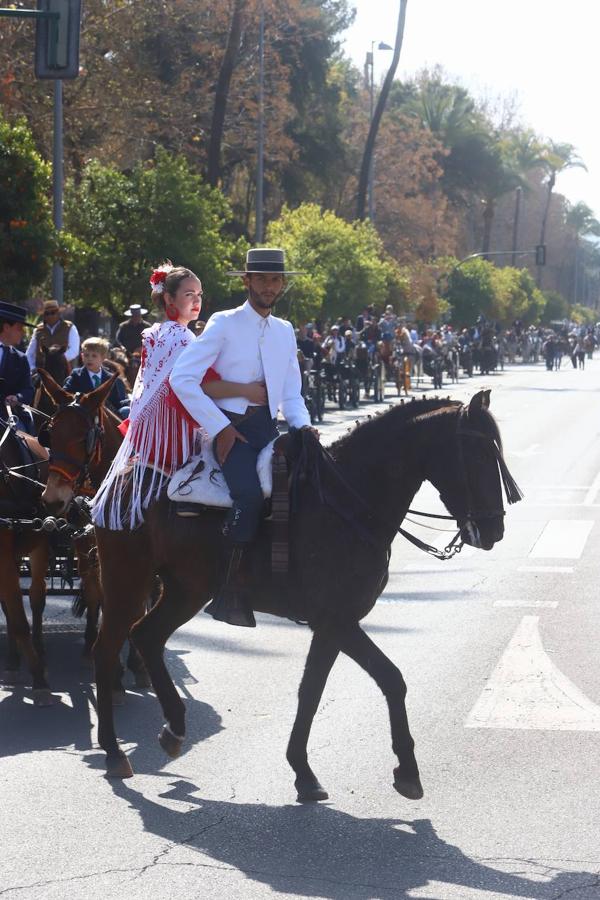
242,346
72,351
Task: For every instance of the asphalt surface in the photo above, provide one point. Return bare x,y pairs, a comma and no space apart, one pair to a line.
500,654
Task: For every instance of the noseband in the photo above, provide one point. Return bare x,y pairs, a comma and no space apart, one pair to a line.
92,441
469,527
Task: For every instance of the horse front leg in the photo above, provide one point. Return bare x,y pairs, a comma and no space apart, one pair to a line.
178,604
321,657
38,560
90,600
18,626
359,647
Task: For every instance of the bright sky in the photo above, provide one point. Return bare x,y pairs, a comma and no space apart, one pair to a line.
544,52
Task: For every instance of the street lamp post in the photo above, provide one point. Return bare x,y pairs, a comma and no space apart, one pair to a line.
370,67
260,173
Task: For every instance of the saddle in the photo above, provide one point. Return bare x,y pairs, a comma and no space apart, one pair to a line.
200,484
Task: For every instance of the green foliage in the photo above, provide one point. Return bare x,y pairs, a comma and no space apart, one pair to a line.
583,315
126,223
479,288
344,262
26,229
556,309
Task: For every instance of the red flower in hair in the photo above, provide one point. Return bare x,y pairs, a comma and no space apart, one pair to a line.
158,276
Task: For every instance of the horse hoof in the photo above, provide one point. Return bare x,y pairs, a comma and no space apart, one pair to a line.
43,697
118,698
118,767
142,680
411,788
310,792
170,742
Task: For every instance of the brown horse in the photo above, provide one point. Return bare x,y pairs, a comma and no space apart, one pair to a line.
84,439
24,463
347,509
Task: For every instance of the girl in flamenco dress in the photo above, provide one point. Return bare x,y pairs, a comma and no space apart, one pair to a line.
160,435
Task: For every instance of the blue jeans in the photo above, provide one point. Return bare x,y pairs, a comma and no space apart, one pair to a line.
239,471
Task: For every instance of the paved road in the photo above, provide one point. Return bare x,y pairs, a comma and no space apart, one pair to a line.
500,654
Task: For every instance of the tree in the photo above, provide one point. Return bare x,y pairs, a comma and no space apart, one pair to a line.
126,223
27,237
365,168
344,262
558,158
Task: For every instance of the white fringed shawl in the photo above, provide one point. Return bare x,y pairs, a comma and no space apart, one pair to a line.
156,429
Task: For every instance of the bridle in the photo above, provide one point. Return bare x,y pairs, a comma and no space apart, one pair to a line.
468,527
69,469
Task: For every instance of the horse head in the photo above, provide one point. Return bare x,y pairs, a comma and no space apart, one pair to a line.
471,473
76,439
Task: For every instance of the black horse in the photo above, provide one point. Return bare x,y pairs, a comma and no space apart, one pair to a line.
347,508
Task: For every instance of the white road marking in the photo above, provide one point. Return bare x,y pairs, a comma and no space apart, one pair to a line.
562,539
527,691
532,604
592,494
532,450
558,570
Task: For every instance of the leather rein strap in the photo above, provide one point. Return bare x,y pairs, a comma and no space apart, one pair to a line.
93,448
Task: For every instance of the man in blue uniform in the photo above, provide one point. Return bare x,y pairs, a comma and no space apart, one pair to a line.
244,344
16,388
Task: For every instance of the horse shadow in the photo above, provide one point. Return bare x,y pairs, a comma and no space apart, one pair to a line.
68,724
318,851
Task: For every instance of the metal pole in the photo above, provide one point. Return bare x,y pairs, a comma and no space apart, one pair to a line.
261,129
57,183
371,203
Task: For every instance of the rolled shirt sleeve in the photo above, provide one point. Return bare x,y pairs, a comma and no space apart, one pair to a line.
190,369
72,351
31,351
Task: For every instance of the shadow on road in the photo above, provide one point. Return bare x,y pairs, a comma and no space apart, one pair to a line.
67,725
318,851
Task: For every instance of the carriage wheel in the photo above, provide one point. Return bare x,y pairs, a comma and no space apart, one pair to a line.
342,394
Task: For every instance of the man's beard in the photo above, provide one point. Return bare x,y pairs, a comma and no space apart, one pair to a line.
258,301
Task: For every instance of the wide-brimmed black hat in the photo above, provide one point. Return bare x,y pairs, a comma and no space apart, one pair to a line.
10,312
135,307
265,259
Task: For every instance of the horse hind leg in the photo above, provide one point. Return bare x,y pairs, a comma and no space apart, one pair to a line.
359,647
321,657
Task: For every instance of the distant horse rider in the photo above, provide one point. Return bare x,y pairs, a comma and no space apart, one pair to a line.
16,388
244,344
129,332
53,331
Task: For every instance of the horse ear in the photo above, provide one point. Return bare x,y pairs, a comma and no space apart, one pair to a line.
53,389
97,397
481,400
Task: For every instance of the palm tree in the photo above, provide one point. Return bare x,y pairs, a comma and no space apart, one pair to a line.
529,155
365,168
581,221
558,158
228,65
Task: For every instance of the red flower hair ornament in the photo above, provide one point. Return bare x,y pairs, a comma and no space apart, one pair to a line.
158,277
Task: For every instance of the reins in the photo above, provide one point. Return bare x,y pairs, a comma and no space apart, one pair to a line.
469,526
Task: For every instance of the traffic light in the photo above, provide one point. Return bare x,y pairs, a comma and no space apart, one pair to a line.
57,39
540,255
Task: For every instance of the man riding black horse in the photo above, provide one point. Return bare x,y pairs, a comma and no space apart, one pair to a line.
16,389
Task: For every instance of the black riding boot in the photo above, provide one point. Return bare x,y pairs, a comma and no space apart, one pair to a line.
230,603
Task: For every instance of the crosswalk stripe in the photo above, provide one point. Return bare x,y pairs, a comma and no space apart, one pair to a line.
562,539
531,604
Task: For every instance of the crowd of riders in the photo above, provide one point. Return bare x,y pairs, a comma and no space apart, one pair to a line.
342,361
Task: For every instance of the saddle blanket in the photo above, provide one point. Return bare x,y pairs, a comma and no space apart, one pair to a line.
201,480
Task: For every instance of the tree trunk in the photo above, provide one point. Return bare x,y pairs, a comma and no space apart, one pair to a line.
551,183
515,237
213,169
363,180
488,218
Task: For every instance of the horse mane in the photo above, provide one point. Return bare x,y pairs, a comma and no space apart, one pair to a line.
401,417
